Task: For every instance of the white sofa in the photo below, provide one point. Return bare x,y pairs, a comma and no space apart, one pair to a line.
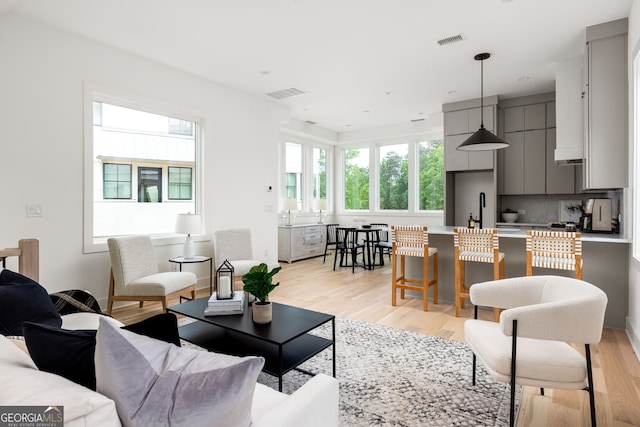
21,383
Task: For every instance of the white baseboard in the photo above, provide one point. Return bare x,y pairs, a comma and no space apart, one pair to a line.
634,339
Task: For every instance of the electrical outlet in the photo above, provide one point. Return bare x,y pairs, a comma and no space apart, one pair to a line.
521,211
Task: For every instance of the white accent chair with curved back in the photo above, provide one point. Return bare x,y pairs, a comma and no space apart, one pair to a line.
135,275
531,345
234,245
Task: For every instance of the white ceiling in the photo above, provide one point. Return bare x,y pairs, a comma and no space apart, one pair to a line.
362,63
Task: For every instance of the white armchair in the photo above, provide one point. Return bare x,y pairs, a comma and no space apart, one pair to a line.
235,246
543,315
135,275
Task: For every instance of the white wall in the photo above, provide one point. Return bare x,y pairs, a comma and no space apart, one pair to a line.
633,319
41,148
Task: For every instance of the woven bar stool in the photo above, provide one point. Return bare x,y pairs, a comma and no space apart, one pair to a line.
413,241
475,245
560,250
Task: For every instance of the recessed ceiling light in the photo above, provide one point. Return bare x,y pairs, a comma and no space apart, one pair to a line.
348,125
451,92
523,79
265,72
366,111
421,114
387,93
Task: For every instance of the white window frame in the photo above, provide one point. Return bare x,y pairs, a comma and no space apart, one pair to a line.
95,92
307,172
635,222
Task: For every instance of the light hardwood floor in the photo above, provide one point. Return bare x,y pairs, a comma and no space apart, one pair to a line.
366,295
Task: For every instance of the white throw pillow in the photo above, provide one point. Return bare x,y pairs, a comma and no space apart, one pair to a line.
158,384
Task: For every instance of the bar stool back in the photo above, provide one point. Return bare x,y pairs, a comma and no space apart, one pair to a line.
560,250
475,245
413,241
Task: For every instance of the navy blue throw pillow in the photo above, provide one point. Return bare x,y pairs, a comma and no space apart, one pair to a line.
63,352
162,327
24,300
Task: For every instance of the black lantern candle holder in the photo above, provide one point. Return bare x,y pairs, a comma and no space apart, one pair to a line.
224,281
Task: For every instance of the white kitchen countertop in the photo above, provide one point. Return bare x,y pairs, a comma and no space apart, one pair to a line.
521,233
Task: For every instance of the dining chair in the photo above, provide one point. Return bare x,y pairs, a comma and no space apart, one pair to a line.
382,245
330,239
475,245
348,245
560,250
135,276
531,346
412,241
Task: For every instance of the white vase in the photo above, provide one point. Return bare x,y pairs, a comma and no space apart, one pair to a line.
261,312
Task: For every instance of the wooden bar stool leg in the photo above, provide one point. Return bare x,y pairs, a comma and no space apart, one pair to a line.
394,278
463,283
402,276
425,282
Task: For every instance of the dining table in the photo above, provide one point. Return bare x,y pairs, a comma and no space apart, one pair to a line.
371,236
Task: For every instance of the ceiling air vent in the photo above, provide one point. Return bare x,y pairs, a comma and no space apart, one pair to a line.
417,120
286,93
448,40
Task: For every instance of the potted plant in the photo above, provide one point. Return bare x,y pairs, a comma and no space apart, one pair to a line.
258,282
509,215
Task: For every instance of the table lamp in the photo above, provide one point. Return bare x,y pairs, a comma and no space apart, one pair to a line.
290,205
320,204
188,224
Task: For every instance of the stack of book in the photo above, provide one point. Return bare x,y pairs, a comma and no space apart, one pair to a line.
222,307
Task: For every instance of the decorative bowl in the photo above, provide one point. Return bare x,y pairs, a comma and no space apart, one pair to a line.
366,226
510,216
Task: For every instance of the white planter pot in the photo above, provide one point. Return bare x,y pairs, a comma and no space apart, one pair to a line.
261,312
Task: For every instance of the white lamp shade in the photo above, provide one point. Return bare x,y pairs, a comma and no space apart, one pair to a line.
188,224
320,204
290,205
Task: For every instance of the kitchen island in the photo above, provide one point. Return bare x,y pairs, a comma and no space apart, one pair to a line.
605,264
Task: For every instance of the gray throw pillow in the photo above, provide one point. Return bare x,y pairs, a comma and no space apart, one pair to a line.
154,383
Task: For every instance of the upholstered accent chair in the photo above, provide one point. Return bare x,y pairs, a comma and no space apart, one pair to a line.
531,345
135,275
560,250
475,245
410,240
234,245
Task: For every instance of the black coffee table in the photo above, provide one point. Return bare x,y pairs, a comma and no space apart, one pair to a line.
284,343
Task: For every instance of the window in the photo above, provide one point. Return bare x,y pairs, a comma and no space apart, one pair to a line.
117,181
142,167
394,177
149,185
356,174
179,183
319,173
431,175
293,171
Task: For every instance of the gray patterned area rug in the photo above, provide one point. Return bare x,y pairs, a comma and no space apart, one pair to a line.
392,377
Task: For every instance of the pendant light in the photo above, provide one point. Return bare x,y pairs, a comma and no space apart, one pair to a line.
482,140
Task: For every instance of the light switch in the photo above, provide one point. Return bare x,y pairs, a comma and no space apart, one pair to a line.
34,210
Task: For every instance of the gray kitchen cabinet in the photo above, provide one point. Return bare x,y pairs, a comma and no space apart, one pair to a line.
560,179
605,106
300,241
525,117
458,126
524,162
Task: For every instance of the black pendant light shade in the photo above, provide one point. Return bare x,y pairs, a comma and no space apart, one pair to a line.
482,139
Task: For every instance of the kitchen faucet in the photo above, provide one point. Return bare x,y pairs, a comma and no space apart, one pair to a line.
482,204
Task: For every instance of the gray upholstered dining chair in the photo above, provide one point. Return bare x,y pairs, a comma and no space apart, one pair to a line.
135,276
531,346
